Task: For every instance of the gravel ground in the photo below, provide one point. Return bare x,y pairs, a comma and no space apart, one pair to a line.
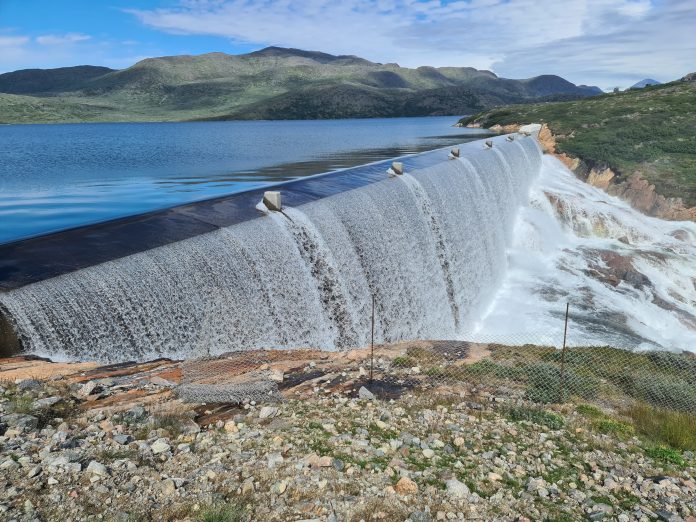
464,453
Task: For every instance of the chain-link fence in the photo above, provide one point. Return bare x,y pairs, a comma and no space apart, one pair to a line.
542,367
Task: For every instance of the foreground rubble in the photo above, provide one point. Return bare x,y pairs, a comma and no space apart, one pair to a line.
117,444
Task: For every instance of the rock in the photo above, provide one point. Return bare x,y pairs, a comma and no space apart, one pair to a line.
136,413
406,486
21,421
96,468
494,477
267,412
10,465
668,516
160,446
33,472
159,381
315,461
231,427
428,453
364,393
457,489
279,487
88,388
276,375
168,487
46,403
420,516
122,439
274,459
28,385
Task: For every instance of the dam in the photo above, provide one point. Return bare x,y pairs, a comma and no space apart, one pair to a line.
487,245
429,245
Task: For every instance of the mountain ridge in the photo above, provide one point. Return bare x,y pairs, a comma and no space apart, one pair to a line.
274,82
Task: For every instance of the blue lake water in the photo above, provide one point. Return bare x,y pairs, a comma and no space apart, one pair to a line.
54,177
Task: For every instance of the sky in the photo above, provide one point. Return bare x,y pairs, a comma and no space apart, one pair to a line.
609,43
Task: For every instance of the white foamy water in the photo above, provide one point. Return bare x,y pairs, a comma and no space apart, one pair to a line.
630,279
490,246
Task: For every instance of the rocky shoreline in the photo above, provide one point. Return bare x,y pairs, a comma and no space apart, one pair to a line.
633,189
84,442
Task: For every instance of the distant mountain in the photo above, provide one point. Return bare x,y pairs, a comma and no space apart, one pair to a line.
272,83
644,83
33,81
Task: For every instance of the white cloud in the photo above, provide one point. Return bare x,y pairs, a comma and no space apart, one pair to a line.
62,50
61,39
589,41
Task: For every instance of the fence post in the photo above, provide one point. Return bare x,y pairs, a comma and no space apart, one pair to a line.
372,340
563,353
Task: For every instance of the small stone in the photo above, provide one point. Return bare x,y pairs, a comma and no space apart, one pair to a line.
33,472
28,384
428,453
122,439
459,442
88,388
364,393
267,412
276,375
98,469
274,459
406,486
231,427
160,446
168,487
494,477
279,487
457,489
46,403
52,481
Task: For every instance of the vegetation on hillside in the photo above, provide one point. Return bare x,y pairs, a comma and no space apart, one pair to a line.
651,131
274,83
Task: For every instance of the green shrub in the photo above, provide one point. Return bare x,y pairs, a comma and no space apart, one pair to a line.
545,384
660,390
666,455
589,410
403,362
614,427
535,415
488,368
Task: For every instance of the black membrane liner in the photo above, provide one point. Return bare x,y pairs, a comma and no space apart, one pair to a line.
31,260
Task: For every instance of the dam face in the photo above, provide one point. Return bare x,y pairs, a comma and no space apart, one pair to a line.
429,245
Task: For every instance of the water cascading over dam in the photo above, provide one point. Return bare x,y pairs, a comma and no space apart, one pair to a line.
429,245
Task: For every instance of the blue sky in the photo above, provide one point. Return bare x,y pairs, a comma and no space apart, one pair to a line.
602,42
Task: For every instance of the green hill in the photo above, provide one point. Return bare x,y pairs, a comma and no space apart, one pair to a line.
273,83
651,131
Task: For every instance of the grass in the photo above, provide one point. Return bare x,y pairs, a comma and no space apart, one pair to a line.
222,513
21,404
651,131
675,429
171,421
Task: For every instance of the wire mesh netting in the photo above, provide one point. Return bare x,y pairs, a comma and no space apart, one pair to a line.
544,368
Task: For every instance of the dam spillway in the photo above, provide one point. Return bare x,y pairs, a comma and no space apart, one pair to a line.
428,245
